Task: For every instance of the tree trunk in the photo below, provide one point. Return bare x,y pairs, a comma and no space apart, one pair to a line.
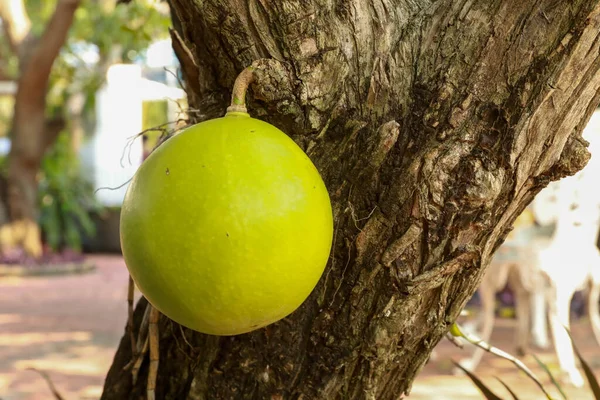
31,133
433,125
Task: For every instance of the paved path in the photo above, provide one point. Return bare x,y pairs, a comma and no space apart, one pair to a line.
70,326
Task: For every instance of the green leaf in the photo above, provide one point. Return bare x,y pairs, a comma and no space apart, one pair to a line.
514,396
455,330
72,235
84,220
589,374
489,395
50,223
554,381
66,198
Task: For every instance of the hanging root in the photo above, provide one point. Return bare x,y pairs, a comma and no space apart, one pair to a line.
153,340
130,292
141,346
137,361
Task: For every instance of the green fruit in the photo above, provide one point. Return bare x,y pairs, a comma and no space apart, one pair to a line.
227,226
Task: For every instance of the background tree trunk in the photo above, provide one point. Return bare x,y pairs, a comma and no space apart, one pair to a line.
433,125
31,133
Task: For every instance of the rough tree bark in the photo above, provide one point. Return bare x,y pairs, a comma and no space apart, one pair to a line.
32,132
433,123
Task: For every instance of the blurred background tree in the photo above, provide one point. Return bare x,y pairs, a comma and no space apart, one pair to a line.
58,52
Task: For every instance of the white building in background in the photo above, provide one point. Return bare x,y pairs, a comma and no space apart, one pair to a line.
114,154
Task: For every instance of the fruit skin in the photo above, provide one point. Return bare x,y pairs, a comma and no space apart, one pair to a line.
227,226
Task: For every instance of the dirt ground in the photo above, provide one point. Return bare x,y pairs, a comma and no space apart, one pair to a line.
69,327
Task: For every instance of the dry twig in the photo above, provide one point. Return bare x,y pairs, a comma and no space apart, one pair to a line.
46,377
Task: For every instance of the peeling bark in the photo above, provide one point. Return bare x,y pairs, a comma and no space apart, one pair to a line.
433,125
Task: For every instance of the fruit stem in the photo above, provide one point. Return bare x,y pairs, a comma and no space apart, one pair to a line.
238,96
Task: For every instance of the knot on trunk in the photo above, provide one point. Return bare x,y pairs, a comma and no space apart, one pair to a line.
484,186
574,158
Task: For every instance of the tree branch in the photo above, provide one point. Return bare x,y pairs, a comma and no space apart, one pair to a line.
52,129
187,61
15,21
3,75
36,71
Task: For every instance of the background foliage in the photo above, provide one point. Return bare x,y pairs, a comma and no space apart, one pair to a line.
102,34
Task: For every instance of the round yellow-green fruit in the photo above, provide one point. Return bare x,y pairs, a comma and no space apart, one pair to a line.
227,226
